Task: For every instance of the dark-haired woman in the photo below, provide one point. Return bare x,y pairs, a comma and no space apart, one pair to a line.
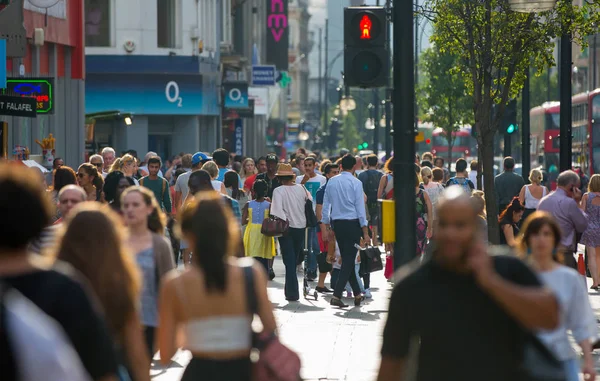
54,290
539,244
256,244
231,181
114,185
508,220
146,224
92,182
208,300
100,256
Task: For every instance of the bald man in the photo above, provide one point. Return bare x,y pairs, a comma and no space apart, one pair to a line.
68,197
467,308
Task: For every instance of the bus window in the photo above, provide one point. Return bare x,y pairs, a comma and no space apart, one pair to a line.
553,121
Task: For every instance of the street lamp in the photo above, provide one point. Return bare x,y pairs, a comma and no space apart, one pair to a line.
528,6
348,103
383,121
370,124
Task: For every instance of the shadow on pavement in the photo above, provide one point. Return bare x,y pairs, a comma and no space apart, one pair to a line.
356,314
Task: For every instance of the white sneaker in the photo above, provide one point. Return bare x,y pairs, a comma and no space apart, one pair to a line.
367,294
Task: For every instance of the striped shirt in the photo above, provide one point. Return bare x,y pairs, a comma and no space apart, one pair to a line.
47,239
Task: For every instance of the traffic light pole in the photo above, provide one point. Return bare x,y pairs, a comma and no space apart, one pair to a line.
388,95
565,102
507,145
404,139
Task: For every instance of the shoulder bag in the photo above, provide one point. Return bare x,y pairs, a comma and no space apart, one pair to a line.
274,227
276,362
309,212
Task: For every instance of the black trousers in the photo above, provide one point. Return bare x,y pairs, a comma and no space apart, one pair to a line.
347,234
570,260
149,336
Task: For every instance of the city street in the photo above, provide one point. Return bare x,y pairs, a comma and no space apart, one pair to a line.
334,344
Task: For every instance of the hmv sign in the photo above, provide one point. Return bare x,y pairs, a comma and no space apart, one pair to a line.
277,34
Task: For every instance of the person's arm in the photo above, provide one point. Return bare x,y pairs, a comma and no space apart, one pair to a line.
522,195
277,206
245,215
509,235
578,216
135,348
178,200
167,198
533,306
429,215
223,189
327,208
580,319
382,185
265,308
319,212
167,330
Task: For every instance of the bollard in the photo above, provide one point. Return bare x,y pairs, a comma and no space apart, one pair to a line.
388,221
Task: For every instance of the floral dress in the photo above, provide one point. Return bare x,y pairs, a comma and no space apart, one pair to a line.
421,222
591,236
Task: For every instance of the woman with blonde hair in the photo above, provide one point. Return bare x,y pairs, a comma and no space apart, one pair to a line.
154,256
101,257
590,203
248,169
126,164
433,189
213,170
531,194
539,243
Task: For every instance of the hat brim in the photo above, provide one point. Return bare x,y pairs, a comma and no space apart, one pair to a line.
282,174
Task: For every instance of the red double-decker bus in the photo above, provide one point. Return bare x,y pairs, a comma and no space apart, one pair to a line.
545,133
464,144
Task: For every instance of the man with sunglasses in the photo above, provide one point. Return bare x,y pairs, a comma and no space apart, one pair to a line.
98,162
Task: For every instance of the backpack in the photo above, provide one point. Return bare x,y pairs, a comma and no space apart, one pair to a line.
372,186
40,347
463,182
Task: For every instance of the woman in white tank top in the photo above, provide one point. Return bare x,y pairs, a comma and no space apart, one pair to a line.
531,194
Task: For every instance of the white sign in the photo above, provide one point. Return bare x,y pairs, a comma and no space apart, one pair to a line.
59,10
261,99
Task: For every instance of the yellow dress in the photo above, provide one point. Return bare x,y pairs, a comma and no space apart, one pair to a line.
255,243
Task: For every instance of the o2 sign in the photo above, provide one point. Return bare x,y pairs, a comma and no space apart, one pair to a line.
172,93
236,95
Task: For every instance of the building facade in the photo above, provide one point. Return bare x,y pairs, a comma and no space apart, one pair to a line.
58,61
300,45
158,60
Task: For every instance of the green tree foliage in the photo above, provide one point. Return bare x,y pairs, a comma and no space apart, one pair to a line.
443,94
495,46
351,137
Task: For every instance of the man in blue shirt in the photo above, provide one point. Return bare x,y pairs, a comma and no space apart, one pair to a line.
221,158
344,212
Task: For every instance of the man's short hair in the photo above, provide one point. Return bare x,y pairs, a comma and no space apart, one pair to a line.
221,157
438,174
474,165
348,162
310,158
106,150
567,178
461,165
96,156
262,158
73,187
509,163
328,167
440,159
155,160
372,160
426,163
200,181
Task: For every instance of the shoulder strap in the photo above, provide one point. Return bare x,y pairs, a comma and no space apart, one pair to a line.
250,292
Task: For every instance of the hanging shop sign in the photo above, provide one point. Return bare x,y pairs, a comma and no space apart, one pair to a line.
40,89
17,106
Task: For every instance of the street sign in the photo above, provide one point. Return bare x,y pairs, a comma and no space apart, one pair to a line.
40,89
17,106
420,137
263,75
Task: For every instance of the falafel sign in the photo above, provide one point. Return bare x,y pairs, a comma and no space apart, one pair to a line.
40,89
17,106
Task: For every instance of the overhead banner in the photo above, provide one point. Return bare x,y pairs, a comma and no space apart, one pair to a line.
235,95
277,34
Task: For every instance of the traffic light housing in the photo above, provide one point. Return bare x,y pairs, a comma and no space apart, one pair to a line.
509,121
366,48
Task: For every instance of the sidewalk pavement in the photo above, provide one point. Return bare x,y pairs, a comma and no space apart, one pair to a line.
333,343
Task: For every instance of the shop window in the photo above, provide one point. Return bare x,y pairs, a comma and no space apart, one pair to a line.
97,22
167,23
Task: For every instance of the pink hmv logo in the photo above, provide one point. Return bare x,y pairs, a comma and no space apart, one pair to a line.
277,19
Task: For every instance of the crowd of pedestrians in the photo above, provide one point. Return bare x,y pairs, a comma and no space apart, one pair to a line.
135,259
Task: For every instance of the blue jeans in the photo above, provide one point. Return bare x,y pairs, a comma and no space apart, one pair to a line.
310,263
572,369
291,249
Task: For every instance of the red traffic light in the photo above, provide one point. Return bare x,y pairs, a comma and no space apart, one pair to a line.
365,27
